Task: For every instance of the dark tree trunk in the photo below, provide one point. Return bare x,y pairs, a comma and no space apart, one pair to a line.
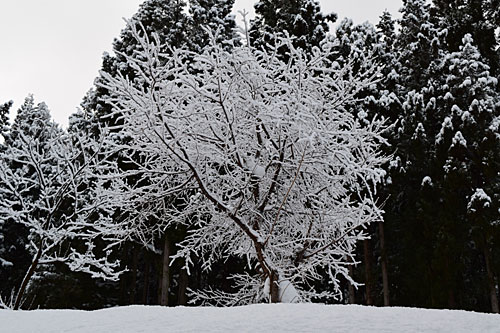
133,284
491,281
165,276
123,299
368,272
352,295
145,289
452,304
274,288
183,284
383,259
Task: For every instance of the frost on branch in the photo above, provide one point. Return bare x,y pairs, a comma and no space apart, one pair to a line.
259,158
45,178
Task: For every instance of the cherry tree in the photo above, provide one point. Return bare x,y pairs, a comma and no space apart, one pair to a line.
258,157
45,177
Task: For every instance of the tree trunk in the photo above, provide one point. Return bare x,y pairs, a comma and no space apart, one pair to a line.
274,288
491,281
133,284
385,277
352,295
165,276
183,284
123,297
27,277
146,280
368,272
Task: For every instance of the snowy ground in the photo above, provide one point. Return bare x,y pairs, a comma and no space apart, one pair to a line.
255,318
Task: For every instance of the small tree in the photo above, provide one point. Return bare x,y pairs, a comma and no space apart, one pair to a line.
44,175
271,165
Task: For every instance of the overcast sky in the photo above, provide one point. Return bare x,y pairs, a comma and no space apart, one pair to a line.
53,48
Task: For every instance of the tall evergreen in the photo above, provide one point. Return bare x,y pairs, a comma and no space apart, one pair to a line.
479,18
413,60
301,19
214,16
469,148
419,43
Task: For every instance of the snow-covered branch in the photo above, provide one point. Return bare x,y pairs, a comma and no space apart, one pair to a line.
258,157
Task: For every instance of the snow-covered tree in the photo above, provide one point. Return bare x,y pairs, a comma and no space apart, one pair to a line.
361,47
4,122
476,17
468,146
419,43
301,19
43,178
175,23
165,18
266,160
211,15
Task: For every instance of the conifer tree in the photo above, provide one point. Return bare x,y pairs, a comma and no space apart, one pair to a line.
165,19
407,92
214,16
469,145
301,19
418,43
476,17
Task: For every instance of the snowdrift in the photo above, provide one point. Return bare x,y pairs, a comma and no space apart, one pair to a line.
255,318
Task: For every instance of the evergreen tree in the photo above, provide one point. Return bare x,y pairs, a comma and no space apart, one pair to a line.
407,97
214,16
419,44
301,19
468,145
476,17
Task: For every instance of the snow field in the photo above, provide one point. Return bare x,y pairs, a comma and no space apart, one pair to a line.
253,318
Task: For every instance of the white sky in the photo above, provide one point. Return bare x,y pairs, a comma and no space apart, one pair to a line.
53,48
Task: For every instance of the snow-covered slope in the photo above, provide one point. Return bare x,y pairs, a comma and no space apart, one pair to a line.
255,318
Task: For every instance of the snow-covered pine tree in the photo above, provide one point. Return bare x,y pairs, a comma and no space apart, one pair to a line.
419,44
407,100
42,171
476,17
250,138
214,16
386,103
301,19
469,145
